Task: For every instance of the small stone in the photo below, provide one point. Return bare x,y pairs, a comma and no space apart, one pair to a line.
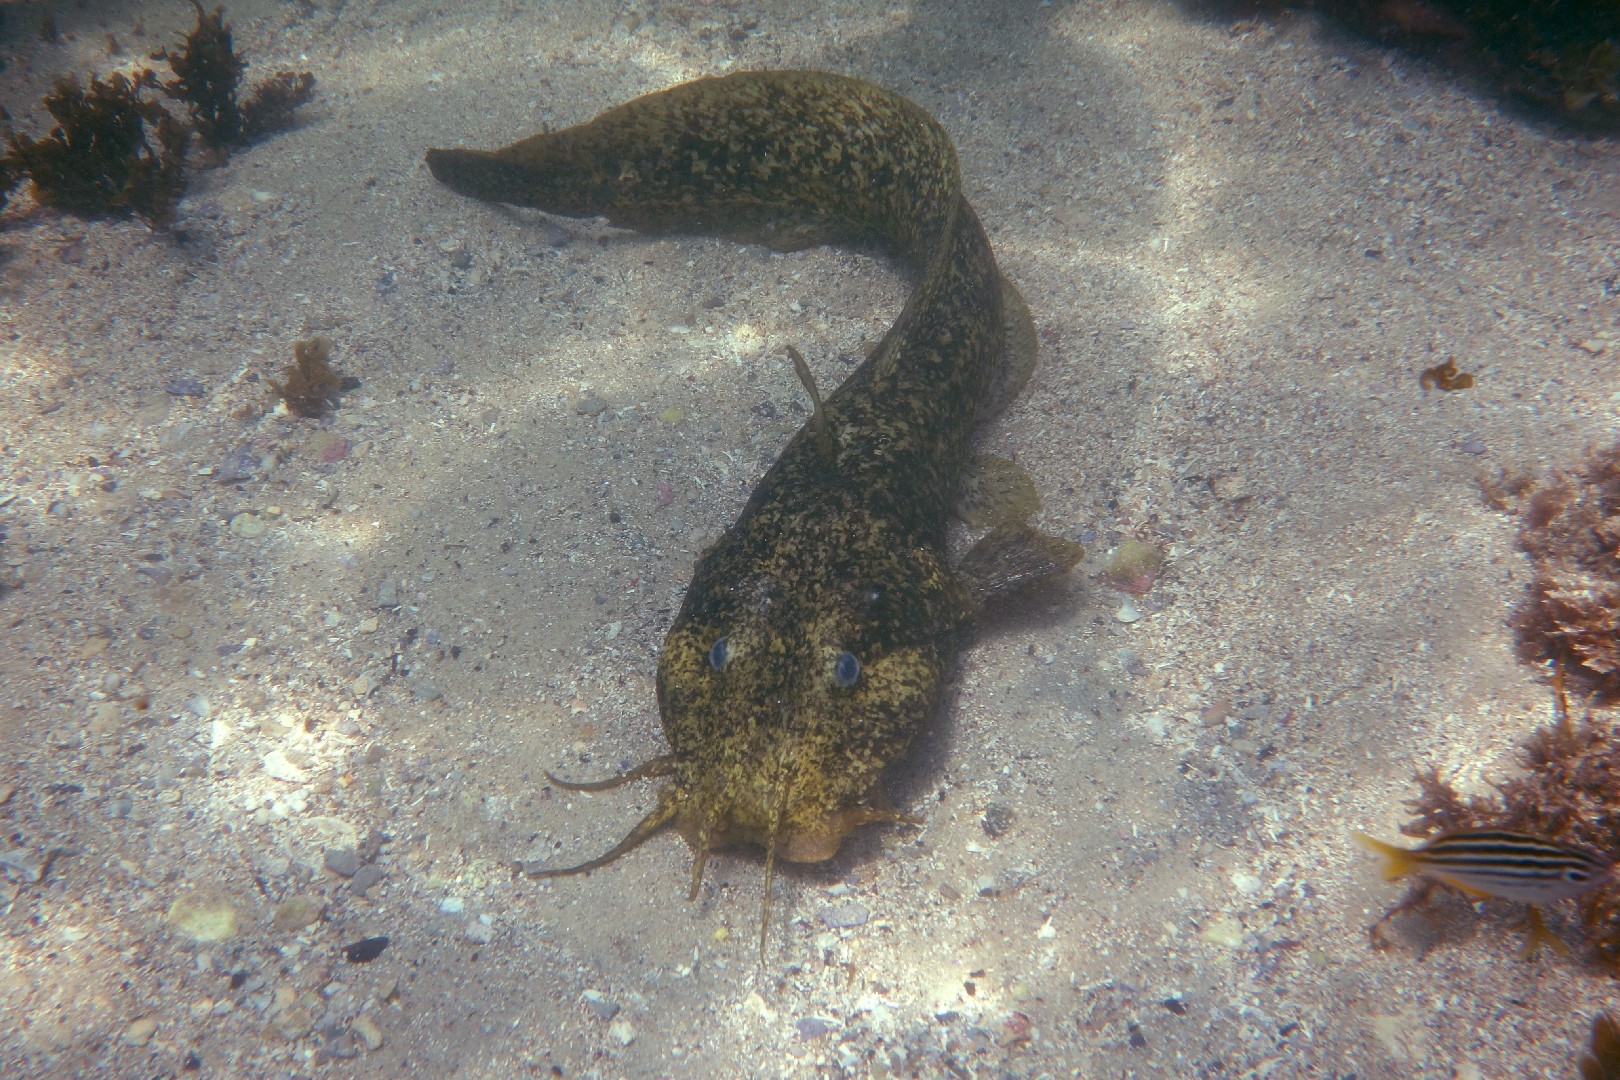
94,646
479,931
426,692
103,717
599,1006
672,415
1247,884
341,861
387,594
452,905
813,1027
590,405
364,879
198,706
246,525
278,767
844,916
295,914
118,809
363,685
1133,567
370,1034
22,864
367,625
140,1032
204,917
622,1032
1128,612
1474,446
998,818
1223,930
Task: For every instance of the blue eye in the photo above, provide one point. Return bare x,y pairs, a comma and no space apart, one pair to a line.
846,670
717,654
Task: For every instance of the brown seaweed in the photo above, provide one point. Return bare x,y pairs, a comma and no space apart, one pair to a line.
1569,791
273,102
207,75
309,385
111,152
1571,616
1445,376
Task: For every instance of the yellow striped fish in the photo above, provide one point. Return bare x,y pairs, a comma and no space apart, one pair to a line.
1496,862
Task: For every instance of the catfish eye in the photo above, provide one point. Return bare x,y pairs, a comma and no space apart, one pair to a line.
846,670
717,654
1576,876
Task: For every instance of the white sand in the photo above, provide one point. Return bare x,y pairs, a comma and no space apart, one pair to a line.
1241,243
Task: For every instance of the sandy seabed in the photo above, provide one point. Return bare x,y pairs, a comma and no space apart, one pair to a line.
267,667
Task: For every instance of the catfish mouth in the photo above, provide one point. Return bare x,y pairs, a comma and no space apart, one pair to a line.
809,842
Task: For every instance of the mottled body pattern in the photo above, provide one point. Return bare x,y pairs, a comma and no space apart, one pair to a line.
837,565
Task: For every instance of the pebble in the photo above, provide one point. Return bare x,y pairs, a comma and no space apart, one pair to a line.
1472,446
479,931
364,685
998,818
844,916
94,646
387,594
246,525
599,1006
278,767
370,1034
198,706
622,1032
1128,613
240,464
184,387
1223,930
452,905
364,879
341,861
590,405
22,864
1133,566
103,717
365,950
426,692
140,1032
295,914
1247,884
203,917
813,1027
118,809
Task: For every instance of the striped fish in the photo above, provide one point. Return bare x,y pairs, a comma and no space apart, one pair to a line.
1496,862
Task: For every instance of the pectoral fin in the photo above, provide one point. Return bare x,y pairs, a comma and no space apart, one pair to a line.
1010,557
995,491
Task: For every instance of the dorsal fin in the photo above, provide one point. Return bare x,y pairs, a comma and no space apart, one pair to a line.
824,435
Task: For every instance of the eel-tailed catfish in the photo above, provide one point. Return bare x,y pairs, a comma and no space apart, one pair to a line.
817,632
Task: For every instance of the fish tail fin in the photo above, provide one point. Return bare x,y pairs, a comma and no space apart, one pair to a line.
1398,861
